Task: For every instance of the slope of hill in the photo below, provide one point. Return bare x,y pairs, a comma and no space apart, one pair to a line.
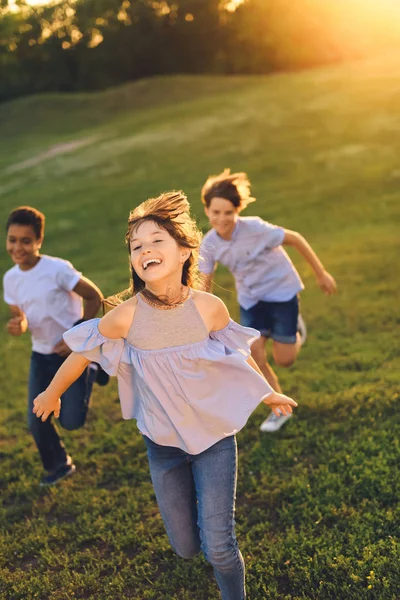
318,508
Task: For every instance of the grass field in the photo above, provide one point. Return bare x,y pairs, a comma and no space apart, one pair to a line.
318,502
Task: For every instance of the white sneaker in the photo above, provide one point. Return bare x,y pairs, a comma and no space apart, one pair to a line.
273,423
302,329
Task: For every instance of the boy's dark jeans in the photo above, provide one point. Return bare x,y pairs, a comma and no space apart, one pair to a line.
74,407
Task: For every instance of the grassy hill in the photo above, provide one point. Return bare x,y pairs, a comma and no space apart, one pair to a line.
317,512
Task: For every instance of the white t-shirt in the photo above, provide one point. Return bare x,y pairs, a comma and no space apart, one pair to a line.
254,255
44,293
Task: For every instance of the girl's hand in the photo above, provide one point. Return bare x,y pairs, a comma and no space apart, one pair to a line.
327,283
280,404
45,404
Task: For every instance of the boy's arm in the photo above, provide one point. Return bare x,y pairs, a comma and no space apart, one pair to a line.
92,299
18,322
324,279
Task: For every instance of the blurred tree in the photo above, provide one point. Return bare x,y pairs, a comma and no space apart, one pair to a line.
91,44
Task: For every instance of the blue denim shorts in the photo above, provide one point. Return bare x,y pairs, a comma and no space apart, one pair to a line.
276,320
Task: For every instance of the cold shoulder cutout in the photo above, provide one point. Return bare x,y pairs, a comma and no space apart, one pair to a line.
87,340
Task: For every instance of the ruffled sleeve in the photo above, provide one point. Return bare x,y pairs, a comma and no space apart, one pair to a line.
87,340
236,338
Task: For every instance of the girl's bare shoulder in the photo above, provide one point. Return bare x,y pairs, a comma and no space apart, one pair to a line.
212,310
206,299
116,323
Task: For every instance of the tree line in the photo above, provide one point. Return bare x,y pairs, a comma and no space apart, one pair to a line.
76,45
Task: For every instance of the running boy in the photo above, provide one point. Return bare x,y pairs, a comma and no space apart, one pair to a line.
45,296
267,283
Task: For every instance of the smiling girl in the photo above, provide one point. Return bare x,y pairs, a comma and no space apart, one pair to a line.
186,375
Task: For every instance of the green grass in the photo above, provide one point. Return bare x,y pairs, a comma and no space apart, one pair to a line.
317,511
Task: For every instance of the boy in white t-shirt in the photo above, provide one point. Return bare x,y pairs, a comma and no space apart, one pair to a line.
45,296
267,282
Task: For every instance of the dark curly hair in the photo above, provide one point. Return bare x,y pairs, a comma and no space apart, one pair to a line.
27,215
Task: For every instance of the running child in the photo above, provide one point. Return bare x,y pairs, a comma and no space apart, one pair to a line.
186,375
45,294
267,283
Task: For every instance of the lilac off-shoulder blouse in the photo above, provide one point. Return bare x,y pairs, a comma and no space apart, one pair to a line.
188,396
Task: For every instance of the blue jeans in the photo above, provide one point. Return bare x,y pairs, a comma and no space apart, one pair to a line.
74,407
196,496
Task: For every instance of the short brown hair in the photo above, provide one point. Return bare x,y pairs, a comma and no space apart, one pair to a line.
27,215
234,187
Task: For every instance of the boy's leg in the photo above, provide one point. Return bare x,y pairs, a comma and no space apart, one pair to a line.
286,345
259,353
73,413
284,331
51,449
75,400
171,474
258,318
286,354
215,474
272,422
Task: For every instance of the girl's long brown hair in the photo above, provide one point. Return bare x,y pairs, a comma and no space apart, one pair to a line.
170,211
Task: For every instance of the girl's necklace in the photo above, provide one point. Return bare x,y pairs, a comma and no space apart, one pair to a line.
182,298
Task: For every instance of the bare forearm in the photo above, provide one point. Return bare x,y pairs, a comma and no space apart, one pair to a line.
91,295
277,401
304,248
325,280
250,361
15,311
91,307
67,374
